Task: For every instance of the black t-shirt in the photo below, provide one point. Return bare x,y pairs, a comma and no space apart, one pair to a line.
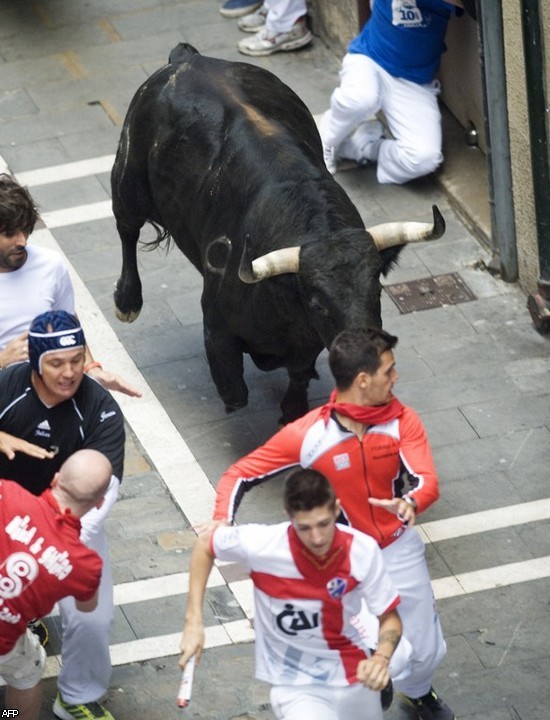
90,419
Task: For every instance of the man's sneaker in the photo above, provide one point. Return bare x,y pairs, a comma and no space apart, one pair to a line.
237,8
429,706
363,144
38,628
266,42
329,156
253,22
86,711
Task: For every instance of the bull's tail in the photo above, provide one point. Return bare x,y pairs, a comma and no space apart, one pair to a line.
163,236
183,52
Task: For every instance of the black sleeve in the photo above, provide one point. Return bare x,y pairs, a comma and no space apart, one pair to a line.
104,426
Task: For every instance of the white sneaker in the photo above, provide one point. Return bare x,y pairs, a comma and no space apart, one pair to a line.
253,22
329,153
363,145
266,43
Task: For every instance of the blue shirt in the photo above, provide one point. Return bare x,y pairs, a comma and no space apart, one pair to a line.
406,37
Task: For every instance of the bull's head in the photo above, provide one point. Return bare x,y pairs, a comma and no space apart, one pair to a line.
339,278
387,236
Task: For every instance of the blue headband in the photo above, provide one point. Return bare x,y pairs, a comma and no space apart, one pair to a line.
65,334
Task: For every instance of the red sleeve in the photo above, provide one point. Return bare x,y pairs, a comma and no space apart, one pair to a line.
417,458
279,453
90,567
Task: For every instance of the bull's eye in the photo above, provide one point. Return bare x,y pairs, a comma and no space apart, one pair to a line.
318,306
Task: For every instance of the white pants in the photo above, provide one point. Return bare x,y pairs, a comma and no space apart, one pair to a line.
411,112
22,666
406,564
86,670
282,14
324,702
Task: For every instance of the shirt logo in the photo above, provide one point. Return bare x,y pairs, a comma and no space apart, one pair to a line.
43,429
291,621
341,462
337,587
106,415
406,14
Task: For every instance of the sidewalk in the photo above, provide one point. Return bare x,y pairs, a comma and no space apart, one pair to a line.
477,372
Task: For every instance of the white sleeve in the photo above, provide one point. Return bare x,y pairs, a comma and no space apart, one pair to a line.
64,293
376,586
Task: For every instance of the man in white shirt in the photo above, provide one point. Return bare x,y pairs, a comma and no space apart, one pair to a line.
311,580
33,280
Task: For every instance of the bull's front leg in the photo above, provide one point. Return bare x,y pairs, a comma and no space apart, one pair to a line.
295,402
128,297
225,358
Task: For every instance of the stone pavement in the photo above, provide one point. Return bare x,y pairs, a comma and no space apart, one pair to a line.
477,372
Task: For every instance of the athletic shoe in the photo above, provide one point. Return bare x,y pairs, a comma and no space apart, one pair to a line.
329,156
429,706
86,711
236,8
38,628
265,42
253,22
329,153
363,145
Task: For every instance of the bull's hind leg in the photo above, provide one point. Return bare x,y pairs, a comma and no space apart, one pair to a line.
295,403
128,297
225,357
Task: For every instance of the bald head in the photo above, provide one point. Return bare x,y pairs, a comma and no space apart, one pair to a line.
82,481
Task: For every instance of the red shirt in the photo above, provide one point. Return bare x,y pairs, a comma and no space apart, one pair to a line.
41,560
391,459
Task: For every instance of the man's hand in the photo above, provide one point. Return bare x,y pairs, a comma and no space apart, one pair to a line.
404,510
208,527
17,350
191,643
374,673
111,381
9,445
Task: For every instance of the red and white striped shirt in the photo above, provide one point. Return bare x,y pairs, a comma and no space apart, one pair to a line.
308,609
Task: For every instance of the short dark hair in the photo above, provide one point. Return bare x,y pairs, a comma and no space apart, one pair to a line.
17,209
355,351
307,489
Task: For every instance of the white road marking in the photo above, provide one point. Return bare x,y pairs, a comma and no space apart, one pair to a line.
67,171
191,489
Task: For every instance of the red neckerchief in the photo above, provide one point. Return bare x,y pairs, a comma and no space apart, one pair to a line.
314,568
365,414
60,516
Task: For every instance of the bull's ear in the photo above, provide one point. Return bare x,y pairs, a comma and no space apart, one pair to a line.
389,257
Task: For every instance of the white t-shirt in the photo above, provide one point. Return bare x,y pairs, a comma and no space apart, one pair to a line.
307,609
40,285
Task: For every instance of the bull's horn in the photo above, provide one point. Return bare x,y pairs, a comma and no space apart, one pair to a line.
278,262
401,233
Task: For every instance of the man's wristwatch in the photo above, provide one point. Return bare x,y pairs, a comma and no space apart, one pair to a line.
411,501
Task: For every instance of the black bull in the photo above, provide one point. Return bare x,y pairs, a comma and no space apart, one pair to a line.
226,159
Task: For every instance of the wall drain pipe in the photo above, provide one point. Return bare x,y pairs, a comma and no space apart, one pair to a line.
538,303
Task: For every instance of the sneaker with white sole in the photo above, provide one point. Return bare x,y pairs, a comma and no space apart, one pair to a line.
237,8
363,145
428,707
329,153
254,22
265,42
86,711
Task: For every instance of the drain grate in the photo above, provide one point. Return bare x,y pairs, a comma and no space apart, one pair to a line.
431,292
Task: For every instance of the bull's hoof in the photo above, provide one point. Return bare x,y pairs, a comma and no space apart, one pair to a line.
127,317
235,406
